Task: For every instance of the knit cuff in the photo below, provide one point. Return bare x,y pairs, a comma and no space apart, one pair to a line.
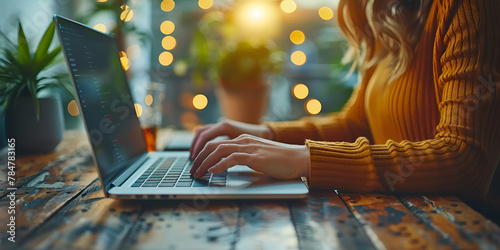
343,166
292,132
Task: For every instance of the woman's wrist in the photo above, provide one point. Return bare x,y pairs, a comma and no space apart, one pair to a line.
268,133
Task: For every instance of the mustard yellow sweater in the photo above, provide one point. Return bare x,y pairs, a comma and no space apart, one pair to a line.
436,129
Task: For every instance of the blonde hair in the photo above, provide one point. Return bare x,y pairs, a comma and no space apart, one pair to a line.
376,29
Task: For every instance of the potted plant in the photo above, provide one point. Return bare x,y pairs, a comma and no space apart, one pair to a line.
240,67
33,120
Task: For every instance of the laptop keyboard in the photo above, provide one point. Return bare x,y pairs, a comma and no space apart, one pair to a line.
174,172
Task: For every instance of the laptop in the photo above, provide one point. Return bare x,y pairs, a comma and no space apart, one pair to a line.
126,170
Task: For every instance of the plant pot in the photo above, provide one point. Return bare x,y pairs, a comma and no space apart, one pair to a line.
246,104
32,135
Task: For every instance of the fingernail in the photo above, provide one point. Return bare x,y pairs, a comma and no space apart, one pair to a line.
211,170
197,175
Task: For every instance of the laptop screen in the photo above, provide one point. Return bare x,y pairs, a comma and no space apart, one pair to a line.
104,97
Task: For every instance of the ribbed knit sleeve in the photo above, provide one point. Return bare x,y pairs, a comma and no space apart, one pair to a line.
464,151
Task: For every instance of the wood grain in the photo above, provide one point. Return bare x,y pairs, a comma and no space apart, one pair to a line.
90,221
29,166
45,194
187,224
266,225
434,218
323,222
472,225
389,224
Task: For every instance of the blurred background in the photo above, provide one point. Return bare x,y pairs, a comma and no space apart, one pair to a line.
192,48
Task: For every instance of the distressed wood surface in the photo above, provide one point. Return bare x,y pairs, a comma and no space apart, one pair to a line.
60,205
471,224
187,224
29,166
49,191
266,225
322,221
389,224
90,221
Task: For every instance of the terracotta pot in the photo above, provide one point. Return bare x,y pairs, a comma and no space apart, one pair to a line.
32,135
247,104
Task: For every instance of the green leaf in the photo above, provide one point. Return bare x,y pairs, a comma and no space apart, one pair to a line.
23,47
47,60
32,89
44,44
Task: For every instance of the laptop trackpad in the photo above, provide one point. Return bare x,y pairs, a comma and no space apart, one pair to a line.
241,176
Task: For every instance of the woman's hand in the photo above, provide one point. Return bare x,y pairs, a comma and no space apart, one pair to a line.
279,160
229,128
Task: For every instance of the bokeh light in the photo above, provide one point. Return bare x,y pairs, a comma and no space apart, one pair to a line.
165,58
257,19
300,91
205,4
148,99
325,13
125,63
167,27
298,58
297,37
124,60
126,14
200,101
102,1
167,5
133,51
100,27
168,42
288,6
73,108
313,106
138,109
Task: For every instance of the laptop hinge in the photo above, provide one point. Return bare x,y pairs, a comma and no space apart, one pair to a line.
118,181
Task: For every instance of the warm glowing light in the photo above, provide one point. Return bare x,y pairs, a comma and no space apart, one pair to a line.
168,43
138,109
205,4
125,63
167,5
298,58
126,14
73,108
313,107
124,60
200,101
257,19
325,13
148,100
166,58
288,6
100,27
102,1
297,37
300,91
167,27
133,51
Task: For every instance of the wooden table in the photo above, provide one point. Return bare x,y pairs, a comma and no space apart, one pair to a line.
60,205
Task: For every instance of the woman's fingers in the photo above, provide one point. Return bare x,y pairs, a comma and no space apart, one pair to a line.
213,152
196,136
205,135
231,157
201,156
